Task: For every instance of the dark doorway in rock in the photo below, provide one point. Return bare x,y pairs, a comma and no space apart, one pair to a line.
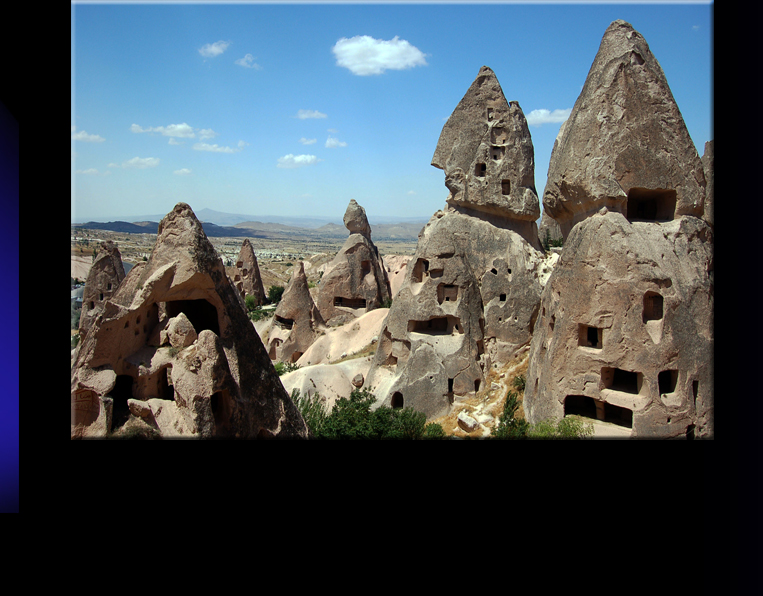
646,204
589,337
505,187
121,392
580,405
166,391
667,381
220,404
397,400
480,170
200,313
350,302
653,307
284,322
617,379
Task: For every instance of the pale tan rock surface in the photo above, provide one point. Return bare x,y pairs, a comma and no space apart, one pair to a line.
247,277
395,265
296,322
471,292
103,279
222,384
625,145
625,329
355,282
708,163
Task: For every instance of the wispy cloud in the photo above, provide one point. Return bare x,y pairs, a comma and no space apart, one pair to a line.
364,55
182,172
248,61
304,114
84,136
214,148
305,141
173,130
88,172
211,50
331,143
542,116
207,133
141,162
297,161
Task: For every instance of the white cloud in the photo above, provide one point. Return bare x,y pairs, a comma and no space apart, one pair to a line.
364,55
297,161
207,133
215,148
83,136
303,114
113,165
542,116
411,192
331,142
182,172
248,62
141,162
212,50
242,144
305,141
89,172
174,142
332,130
173,130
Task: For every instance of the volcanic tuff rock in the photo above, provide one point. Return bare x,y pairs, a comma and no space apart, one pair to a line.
296,320
248,280
487,153
708,162
625,145
471,292
625,329
355,282
105,275
142,348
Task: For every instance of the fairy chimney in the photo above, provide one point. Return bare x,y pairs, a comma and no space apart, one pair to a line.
471,293
174,354
296,321
605,153
247,277
103,279
356,281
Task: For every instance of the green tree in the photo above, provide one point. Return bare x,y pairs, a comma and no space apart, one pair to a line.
313,410
275,293
510,427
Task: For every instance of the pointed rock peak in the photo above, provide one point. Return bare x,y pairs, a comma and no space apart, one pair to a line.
487,153
181,230
625,145
355,219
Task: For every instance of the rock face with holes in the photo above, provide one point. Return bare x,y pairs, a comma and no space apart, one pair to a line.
296,321
356,281
471,292
625,329
102,281
247,277
176,338
625,145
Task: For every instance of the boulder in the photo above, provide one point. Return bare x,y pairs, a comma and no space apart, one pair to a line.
221,384
103,279
355,282
625,145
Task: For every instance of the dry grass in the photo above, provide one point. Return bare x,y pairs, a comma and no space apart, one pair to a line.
487,400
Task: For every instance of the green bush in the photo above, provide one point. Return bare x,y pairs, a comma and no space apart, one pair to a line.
353,419
519,383
251,302
566,428
275,293
508,426
313,410
285,367
434,431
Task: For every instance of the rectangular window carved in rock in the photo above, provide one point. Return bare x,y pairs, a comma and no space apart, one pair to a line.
654,205
480,170
625,381
653,307
496,153
505,187
589,337
667,381
447,293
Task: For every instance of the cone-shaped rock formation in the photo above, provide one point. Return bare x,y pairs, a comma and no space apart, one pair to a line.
174,351
105,275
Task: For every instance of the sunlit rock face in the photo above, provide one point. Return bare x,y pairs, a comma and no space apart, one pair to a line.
355,282
471,292
625,145
173,352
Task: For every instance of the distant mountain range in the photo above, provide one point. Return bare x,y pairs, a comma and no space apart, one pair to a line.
220,218
217,224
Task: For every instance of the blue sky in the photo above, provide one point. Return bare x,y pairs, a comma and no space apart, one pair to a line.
294,109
